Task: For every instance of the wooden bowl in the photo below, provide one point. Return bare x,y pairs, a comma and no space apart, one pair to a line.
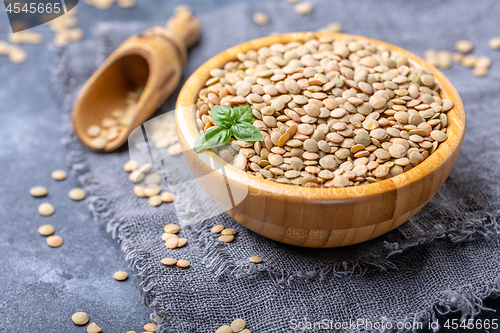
320,217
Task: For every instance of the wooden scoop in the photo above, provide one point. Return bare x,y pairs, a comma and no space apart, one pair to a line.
151,61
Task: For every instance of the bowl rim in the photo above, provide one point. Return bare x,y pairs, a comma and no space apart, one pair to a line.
445,150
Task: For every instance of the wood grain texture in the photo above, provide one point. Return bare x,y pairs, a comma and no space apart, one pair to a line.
152,60
321,217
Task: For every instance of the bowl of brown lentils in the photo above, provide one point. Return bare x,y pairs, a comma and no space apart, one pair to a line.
326,139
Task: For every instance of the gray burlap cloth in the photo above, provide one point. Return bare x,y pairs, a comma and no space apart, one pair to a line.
445,259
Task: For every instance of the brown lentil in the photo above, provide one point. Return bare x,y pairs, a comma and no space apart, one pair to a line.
76,194
182,242
255,259
224,329
38,191
80,318
303,8
172,228
182,263
46,209
217,228
46,230
59,174
260,18
93,328
120,276
167,197
494,43
238,325
54,241
226,238
150,327
139,191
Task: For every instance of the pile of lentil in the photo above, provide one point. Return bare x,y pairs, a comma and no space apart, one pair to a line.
333,113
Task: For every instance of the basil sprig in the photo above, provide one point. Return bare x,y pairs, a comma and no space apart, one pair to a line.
235,122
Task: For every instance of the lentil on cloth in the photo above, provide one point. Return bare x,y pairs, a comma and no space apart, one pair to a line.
54,241
442,247
76,194
59,174
46,230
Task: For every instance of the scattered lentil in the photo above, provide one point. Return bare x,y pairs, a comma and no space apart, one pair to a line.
38,191
152,190
46,209
168,261
139,191
17,55
166,236
76,194
182,242
113,125
494,43
120,276
172,243
224,329
175,149
93,328
303,8
80,318
172,228
130,166
217,228
229,231
182,263
46,230
167,197
59,174
322,105
182,8
255,259
332,27
154,200
464,46
260,18
152,179
238,325
126,3
54,241
226,238
150,327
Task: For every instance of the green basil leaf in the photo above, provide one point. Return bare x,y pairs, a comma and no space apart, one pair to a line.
213,137
246,132
223,115
244,114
